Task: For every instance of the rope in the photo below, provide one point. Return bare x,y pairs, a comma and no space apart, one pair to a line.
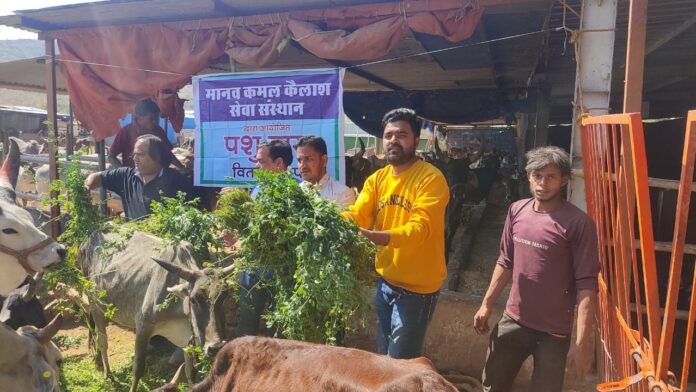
456,47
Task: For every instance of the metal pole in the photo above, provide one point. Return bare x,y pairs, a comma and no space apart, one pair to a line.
52,110
69,134
101,153
635,56
593,80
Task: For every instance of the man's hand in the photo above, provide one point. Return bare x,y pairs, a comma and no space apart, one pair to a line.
380,238
579,361
228,239
481,320
93,181
579,358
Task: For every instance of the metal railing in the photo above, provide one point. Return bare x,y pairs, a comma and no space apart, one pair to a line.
636,350
85,162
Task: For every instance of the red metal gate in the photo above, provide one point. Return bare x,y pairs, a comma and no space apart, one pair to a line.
634,352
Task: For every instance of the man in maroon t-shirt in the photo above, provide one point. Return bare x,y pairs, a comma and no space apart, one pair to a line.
145,122
549,251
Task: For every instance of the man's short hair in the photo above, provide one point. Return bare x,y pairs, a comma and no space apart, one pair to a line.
315,142
147,107
541,157
158,151
403,114
278,149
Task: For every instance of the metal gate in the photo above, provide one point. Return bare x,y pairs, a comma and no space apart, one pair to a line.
634,351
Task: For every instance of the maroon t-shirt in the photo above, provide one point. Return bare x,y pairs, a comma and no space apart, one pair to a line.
551,256
124,142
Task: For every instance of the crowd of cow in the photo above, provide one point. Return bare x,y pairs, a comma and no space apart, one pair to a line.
137,276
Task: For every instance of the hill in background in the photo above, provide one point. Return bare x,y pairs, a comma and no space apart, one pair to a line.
11,50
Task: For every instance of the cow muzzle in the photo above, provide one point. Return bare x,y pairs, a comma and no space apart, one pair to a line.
211,349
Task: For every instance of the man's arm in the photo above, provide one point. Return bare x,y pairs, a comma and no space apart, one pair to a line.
94,181
501,277
580,353
502,274
345,199
584,245
362,212
380,238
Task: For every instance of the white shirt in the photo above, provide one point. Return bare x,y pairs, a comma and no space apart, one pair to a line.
332,190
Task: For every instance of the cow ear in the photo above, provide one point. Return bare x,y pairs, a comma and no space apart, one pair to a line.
180,290
10,168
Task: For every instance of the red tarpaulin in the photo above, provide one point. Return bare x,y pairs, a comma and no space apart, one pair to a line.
109,68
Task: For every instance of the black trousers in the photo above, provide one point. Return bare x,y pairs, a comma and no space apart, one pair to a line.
510,345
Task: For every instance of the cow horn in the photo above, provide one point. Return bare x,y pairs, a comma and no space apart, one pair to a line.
228,269
46,333
10,168
183,273
361,153
29,291
178,376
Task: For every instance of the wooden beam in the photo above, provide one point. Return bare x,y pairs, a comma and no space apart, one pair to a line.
483,36
662,41
70,132
225,9
635,56
676,77
35,25
366,75
541,133
52,117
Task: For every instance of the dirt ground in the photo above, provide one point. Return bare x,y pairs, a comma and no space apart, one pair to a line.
121,343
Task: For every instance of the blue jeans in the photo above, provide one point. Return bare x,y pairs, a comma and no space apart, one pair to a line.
253,299
402,320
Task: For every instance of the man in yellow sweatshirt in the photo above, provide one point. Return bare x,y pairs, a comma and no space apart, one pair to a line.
402,210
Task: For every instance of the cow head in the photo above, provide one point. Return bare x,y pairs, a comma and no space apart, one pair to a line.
203,295
358,167
29,360
21,307
24,249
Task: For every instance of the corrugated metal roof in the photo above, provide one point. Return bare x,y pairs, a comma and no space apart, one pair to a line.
28,75
120,12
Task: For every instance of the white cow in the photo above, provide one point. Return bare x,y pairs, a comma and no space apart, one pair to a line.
24,249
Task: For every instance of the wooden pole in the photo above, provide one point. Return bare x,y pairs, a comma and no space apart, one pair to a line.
52,117
635,56
70,134
101,153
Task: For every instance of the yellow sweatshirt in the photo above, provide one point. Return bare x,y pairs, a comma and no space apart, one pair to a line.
411,206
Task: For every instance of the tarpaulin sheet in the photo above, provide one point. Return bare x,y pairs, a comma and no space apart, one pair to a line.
108,69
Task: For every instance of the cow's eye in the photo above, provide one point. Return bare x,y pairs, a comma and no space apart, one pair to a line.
9,231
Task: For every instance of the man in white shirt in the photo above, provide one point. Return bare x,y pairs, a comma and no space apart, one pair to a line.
312,158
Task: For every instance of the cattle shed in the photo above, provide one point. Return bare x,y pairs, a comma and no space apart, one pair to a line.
537,65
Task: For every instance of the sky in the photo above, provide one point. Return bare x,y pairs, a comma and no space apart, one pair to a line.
8,6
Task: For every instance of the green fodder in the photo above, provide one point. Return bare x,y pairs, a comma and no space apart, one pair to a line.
320,263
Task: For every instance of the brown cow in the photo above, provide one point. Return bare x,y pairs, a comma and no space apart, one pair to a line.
261,364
